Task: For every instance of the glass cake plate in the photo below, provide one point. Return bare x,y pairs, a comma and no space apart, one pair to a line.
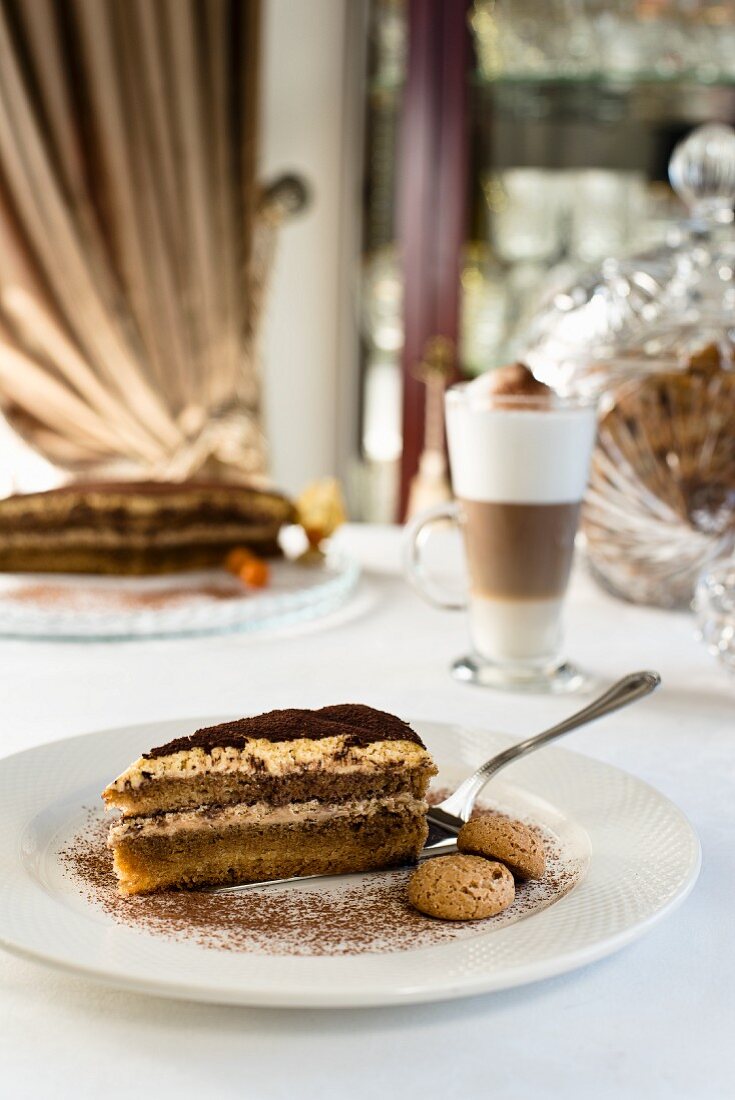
60,606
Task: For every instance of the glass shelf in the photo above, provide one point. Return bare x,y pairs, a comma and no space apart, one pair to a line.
609,80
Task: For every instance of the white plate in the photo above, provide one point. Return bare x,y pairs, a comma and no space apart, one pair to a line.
204,602
644,860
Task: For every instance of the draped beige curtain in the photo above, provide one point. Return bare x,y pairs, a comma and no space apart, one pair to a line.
132,255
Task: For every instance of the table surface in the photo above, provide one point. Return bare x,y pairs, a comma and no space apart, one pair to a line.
654,1020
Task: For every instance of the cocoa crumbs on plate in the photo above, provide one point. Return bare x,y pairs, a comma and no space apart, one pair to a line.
358,915
111,598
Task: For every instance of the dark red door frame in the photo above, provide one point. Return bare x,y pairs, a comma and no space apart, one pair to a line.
433,154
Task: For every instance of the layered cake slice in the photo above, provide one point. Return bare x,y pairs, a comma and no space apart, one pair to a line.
291,792
138,527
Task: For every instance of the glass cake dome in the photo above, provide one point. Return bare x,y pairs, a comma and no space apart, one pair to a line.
657,309
654,335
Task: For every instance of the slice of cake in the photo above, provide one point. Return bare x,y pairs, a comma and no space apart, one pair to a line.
137,527
291,792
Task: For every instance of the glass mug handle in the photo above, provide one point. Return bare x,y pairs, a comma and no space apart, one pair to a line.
418,533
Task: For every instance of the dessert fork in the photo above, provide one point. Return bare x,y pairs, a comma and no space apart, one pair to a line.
447,818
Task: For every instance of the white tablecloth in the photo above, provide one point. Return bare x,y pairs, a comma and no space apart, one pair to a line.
655,1020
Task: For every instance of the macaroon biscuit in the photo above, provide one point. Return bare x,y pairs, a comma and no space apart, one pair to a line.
512,843
461,887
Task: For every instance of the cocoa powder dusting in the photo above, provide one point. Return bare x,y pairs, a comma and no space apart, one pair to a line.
60,597
363,915
358,724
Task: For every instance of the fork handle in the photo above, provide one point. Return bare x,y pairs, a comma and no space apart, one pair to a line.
625,691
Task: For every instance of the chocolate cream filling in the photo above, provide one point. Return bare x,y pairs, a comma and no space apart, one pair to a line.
262,814
165,795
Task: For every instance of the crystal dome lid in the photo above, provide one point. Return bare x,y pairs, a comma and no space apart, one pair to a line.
655,310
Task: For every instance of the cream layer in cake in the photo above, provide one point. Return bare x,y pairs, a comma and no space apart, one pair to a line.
274,757
261,813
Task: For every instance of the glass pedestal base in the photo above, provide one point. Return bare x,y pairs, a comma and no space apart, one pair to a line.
556,678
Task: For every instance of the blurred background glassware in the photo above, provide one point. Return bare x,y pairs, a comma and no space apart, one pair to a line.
607,210
527,223
373,480
382,301
656,333
518,38
570,39
714,609
654,311
389,35
559,99
485,306
544,227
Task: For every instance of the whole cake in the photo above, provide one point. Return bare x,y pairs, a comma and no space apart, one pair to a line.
137,527
290,792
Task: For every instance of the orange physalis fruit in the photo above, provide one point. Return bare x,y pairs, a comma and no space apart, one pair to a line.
237,558
254,573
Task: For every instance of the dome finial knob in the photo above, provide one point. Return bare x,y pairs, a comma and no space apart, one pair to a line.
702,172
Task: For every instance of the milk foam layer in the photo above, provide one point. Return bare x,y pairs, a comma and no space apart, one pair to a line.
519,456
515,630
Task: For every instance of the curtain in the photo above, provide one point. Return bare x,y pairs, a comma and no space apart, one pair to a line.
134,241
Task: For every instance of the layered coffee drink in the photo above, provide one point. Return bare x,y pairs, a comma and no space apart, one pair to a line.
520,459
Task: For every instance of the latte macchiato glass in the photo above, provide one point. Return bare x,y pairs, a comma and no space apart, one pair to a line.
520,462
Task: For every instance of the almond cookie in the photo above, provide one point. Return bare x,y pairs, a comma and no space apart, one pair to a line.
461,888
509,841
